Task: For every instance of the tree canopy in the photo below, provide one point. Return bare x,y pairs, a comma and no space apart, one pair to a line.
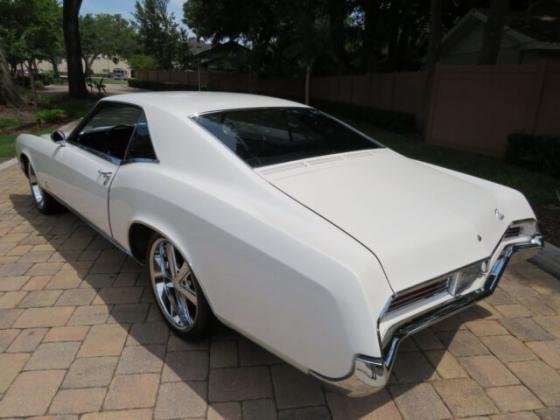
106,35
30,30
158,33
344,35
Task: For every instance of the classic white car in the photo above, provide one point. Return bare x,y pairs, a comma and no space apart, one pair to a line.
291,227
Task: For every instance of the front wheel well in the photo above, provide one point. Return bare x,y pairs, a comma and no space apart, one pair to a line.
24,163
138,238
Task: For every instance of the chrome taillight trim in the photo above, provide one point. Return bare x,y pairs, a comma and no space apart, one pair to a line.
370,374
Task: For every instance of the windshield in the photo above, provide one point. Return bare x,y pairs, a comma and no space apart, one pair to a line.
267,136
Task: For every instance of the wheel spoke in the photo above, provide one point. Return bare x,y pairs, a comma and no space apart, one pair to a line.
171,260
174,285
183,283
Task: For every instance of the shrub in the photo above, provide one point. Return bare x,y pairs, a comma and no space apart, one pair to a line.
51,115
538,153
151,85
9,123
143,62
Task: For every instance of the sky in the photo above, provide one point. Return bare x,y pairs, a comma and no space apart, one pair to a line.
125,7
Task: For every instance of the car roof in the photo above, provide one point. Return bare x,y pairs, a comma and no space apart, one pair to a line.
195,102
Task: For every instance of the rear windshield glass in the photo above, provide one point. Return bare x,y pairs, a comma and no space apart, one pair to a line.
267,136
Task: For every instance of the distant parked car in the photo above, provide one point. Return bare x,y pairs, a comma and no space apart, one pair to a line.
120,74
293,228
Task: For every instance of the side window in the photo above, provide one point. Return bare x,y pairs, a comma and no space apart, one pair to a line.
141,144
109,129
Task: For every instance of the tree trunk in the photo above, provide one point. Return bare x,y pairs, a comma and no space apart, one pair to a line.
435,34
393,47
493,31
76,79
371,9
32,82
54,62
8,91
337,15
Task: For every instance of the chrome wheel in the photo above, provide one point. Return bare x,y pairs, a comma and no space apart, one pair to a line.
36,190
174,284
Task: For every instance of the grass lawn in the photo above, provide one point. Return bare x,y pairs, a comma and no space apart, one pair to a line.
540,189
7,146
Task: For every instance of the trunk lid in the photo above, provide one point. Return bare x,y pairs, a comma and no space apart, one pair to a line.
421,222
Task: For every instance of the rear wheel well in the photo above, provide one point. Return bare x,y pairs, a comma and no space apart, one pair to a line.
138,238
24,163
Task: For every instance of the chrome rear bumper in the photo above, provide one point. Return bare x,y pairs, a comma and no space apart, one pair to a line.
372,373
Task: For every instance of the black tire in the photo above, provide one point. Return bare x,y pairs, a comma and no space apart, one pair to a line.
44,202
174,296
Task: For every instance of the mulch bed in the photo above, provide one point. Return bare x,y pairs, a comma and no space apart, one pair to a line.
549,222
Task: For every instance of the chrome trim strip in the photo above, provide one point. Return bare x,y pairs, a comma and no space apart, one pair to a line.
370,374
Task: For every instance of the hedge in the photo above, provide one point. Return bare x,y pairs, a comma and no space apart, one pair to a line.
538,153
396,121
153,85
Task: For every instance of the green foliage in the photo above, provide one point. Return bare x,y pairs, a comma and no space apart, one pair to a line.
51,115
7,146
158,32
142,62
537,153
398,122
30,30
7,123
106,35
151,85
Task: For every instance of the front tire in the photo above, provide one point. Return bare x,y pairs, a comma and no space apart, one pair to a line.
44,202
176,290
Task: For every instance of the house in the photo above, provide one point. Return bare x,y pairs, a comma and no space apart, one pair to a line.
229,56
101,66
527,38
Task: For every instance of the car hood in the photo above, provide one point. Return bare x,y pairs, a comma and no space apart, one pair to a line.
420,221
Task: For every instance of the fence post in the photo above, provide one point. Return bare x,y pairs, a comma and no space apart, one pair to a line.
540,81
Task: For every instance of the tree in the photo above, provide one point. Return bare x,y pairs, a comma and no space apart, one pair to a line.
71,28
106,35
157,30
493,30
8,92
29,32
435,34
142,62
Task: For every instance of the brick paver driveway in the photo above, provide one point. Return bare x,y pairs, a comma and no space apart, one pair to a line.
79,333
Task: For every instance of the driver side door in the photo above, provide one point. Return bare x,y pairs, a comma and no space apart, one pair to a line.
91,158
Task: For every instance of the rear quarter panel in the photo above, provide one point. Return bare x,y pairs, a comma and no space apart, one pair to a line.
270,268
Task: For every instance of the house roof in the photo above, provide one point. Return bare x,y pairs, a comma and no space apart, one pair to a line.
528,40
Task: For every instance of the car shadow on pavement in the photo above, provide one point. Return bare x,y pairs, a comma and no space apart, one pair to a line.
111,297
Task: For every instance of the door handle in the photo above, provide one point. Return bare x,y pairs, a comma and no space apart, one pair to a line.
106,175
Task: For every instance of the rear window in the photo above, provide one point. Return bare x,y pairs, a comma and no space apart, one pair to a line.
268,136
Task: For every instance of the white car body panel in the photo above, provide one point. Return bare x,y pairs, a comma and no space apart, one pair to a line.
380,197
303,257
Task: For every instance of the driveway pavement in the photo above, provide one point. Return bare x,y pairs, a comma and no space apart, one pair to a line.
81,335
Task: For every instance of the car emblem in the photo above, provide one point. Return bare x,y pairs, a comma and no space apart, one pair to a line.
499,216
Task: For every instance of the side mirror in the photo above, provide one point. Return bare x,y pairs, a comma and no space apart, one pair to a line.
58,136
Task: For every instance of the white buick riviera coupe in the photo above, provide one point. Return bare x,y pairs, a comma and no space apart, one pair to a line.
289,226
